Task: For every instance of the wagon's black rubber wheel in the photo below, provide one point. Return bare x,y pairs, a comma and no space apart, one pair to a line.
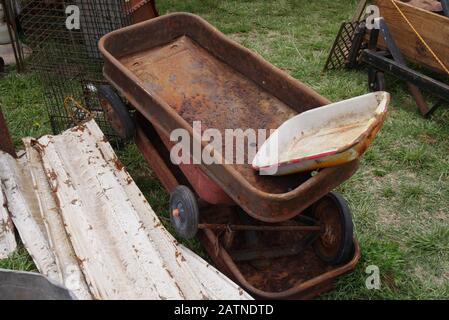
335,244
184,213
376,80
116,112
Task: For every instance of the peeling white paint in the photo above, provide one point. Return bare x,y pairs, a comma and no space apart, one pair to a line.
120,245
192,274
23,207
7,239
70,274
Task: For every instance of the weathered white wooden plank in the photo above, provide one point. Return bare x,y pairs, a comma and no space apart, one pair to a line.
70,272
204,281
117,257
94,250
125,252
77,209
216,284
7,239
24,209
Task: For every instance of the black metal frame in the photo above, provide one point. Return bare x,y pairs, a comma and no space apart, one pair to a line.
380,62
397,66
362,51
351,49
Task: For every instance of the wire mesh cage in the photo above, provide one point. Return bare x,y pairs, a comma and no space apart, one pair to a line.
67,59
12,52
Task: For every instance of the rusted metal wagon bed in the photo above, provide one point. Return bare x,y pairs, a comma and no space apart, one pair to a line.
177,69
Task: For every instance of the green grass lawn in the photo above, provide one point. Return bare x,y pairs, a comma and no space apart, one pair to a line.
400,195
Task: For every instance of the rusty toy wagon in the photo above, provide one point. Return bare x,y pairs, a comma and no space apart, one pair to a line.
280,237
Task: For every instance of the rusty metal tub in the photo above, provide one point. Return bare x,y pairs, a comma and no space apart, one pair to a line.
177,69
271,265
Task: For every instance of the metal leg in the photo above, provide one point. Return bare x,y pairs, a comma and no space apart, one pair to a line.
373,39
435,106
397,56
376,80
354,52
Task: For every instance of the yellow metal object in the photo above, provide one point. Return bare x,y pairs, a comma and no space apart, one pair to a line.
71,103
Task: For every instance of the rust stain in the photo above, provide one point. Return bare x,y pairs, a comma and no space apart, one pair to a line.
169,273
118,165
271,275
81,262
197,79
178,254
52,175
208,90
79,128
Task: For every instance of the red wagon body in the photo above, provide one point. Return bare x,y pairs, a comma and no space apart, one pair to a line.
177,69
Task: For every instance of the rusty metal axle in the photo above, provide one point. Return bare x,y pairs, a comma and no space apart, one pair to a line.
257,228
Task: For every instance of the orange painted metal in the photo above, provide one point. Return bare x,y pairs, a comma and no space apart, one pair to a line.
304,276
297,276
188,71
